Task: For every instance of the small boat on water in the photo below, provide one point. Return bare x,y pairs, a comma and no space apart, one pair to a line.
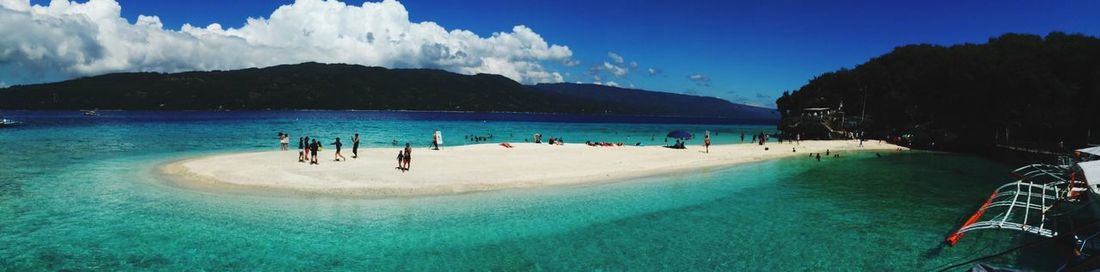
90,113
4,122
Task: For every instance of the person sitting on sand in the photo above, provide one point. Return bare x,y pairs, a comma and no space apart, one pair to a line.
338,156
355,146
313,147
408,157
301,150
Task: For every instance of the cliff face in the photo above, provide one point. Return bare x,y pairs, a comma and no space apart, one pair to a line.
1014,89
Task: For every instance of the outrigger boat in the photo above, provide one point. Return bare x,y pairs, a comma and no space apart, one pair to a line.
1056,202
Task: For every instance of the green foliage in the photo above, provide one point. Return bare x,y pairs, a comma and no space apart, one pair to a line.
1042,89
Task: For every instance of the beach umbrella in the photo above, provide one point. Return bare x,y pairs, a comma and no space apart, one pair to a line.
679,134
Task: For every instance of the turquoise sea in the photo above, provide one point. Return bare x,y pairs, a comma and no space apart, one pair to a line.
78,193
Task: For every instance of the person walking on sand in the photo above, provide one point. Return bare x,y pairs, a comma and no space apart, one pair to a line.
706,141
338,156
408,157
313,146
355,146
437,139
301,150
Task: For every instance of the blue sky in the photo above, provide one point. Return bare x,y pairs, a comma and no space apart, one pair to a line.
743,51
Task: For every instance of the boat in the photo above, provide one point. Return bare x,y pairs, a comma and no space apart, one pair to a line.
1057,203
90,113
4,122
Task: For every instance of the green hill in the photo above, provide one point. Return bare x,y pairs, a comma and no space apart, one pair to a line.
1015,89
342,86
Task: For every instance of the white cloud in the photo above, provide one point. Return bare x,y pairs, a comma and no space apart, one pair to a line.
699,79
653,71
615,57
75,39
616,70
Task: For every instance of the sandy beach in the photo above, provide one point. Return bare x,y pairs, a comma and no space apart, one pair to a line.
472,168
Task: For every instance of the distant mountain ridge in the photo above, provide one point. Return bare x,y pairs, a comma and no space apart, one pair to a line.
658,103
344,86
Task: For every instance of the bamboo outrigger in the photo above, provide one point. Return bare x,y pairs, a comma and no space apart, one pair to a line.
1048,200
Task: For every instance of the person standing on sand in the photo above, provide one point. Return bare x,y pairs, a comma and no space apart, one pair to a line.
280,141
301,150
285,142
313,146
338,156
437,139
307,149
706,141
408,156
400,160
355,146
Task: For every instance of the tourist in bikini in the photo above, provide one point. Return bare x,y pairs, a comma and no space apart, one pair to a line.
307,148
408,157
338,156
355,146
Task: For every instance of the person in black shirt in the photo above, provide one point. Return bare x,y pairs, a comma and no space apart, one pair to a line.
355,146
313,152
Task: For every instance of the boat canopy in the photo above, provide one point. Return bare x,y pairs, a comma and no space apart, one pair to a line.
1042,173
1095,151
1091,169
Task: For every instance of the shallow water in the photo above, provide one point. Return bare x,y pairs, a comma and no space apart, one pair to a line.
79,193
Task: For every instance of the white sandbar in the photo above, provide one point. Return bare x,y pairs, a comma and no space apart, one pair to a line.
473,168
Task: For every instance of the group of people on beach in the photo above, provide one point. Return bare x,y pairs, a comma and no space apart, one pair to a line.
308,149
